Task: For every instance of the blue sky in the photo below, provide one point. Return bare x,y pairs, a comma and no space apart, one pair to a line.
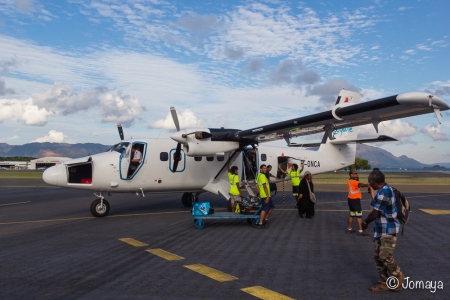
71,70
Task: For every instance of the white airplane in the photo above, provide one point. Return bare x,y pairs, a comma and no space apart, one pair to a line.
198,162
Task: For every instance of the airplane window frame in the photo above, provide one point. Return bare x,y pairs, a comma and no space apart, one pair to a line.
220,158
263,157
210,158
198,158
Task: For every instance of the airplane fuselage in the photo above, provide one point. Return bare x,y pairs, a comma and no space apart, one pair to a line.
112,171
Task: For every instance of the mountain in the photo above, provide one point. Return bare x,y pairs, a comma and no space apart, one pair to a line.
52,149
377,157
380,158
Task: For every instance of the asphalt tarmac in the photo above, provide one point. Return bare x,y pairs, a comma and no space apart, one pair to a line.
52,248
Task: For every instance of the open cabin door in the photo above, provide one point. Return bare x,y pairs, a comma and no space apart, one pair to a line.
250,163
130,164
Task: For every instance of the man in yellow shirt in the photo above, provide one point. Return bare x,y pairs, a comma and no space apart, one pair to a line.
294,173
267,206
235,191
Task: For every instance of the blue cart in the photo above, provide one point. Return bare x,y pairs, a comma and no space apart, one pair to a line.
251,219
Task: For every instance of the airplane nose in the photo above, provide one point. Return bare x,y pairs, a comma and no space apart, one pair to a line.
50,176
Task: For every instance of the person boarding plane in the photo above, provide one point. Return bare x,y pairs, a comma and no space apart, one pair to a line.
197,163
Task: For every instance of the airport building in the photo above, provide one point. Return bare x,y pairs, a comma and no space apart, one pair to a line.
35,164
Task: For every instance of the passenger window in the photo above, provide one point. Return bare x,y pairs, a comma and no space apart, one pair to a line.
164,156
197,158
220,158
210,158
263,157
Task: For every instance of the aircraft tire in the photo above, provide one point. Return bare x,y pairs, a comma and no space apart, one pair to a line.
100,211
229,206
186,199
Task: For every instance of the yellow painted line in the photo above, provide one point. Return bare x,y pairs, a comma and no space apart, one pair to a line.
164,254
210,272
442,194
266,294
87,218
133,242
14,203
323,210
436,211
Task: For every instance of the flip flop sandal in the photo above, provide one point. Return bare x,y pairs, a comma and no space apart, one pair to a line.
379,288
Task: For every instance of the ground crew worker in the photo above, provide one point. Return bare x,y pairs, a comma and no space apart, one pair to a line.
354,202
235,191
294,173
267,206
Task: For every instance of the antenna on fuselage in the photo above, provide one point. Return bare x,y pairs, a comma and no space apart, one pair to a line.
119,127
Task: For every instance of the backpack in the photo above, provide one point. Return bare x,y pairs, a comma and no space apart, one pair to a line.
403,207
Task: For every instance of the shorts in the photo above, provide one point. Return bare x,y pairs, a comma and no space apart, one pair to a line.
354,206
295,190
235,198
266,206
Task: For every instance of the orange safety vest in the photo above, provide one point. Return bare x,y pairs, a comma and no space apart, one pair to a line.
354,191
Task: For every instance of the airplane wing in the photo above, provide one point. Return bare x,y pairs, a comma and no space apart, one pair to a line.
349,114
381,138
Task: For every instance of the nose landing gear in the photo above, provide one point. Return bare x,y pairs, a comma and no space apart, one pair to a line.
100,207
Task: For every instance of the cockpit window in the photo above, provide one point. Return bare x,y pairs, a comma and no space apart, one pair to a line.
121,147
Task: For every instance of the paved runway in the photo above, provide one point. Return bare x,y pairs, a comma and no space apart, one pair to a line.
52,248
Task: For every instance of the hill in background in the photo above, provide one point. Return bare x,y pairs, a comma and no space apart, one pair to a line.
377,157
52,149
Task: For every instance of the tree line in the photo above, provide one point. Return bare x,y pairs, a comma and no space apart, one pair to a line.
16,158
360,164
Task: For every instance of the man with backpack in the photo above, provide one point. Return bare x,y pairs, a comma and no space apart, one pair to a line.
387,226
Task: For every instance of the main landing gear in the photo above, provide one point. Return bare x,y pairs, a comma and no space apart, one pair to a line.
188,198
100,207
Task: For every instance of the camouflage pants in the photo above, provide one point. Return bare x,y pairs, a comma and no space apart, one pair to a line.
384,261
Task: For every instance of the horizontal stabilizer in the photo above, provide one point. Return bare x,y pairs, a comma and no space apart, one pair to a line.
381,138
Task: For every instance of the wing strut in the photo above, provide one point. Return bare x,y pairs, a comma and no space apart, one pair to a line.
328,133
437,111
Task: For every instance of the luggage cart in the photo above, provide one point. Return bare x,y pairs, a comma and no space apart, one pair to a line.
251,219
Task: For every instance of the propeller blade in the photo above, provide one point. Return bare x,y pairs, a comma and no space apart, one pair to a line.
175,117
119,127
176,158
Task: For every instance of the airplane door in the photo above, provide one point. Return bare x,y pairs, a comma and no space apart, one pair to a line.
250,163
132,160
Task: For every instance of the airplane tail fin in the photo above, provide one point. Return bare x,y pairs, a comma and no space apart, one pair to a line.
343,152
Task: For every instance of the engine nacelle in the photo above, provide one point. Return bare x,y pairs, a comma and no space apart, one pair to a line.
204,142
206,147
345,98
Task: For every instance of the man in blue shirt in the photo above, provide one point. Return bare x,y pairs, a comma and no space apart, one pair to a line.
385,231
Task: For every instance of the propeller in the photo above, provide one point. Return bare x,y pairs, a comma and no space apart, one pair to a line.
177,156
119,127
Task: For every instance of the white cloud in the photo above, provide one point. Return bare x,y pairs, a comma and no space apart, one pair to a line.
52,137
119,108
398,129
434,132
61,98
14,137
187,119
375,47
23,111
